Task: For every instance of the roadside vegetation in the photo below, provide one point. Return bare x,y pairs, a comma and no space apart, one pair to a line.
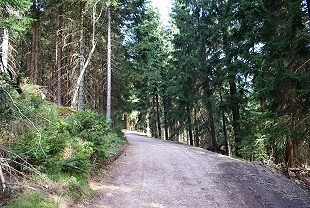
47,152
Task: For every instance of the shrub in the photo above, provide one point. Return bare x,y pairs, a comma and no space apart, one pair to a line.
77,188
57,141
87,120
76,156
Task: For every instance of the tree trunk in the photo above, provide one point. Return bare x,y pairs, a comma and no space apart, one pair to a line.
158,116
109,70
215,146
224,128
34,70
4,47
66,67
79,87
80,102
148,125
190,128
289,154
235,114
2,179
153,121
165,104
197,142
59,56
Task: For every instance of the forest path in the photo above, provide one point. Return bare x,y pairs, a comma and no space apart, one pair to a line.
154,173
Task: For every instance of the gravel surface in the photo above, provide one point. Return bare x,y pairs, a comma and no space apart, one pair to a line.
161,174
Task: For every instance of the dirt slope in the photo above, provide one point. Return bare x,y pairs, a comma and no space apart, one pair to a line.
156,173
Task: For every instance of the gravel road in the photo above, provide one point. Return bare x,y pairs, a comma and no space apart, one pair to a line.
161,174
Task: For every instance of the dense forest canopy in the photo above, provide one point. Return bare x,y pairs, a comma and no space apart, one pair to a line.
229,76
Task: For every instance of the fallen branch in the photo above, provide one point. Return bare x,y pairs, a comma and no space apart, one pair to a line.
298,169
2,178
22,185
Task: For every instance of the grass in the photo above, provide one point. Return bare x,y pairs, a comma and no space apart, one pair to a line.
32,200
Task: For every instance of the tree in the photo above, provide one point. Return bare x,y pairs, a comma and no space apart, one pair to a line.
284,79
146,57
11,15
108,114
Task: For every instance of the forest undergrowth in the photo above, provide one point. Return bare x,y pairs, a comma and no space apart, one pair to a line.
48,153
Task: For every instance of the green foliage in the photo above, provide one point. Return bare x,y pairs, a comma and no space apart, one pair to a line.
147,55
87,121
239,69
65,145
39,136
92,127
32,199
13,15
77,188
77,156
49,142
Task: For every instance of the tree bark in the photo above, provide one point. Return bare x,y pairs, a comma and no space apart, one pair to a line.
289,154
2,179
224,128
148,125
196,135
190,128
35,44
158,116
80,102
165,104
4,47
109,70
235,114
215,146
59,56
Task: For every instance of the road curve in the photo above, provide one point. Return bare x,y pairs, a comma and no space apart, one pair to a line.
153,173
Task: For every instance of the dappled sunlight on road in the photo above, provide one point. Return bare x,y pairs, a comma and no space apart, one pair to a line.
96,186
153,173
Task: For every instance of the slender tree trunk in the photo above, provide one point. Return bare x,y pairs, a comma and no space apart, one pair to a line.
215,146
80,102
209,106
79,87
109,70
290,158
224,128
153,120
158,115
196,134
35,44
59,56
4,47
103,93
165,104
148,125
66,66
235,114
190,128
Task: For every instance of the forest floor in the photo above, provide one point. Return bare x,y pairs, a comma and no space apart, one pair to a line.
160,174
